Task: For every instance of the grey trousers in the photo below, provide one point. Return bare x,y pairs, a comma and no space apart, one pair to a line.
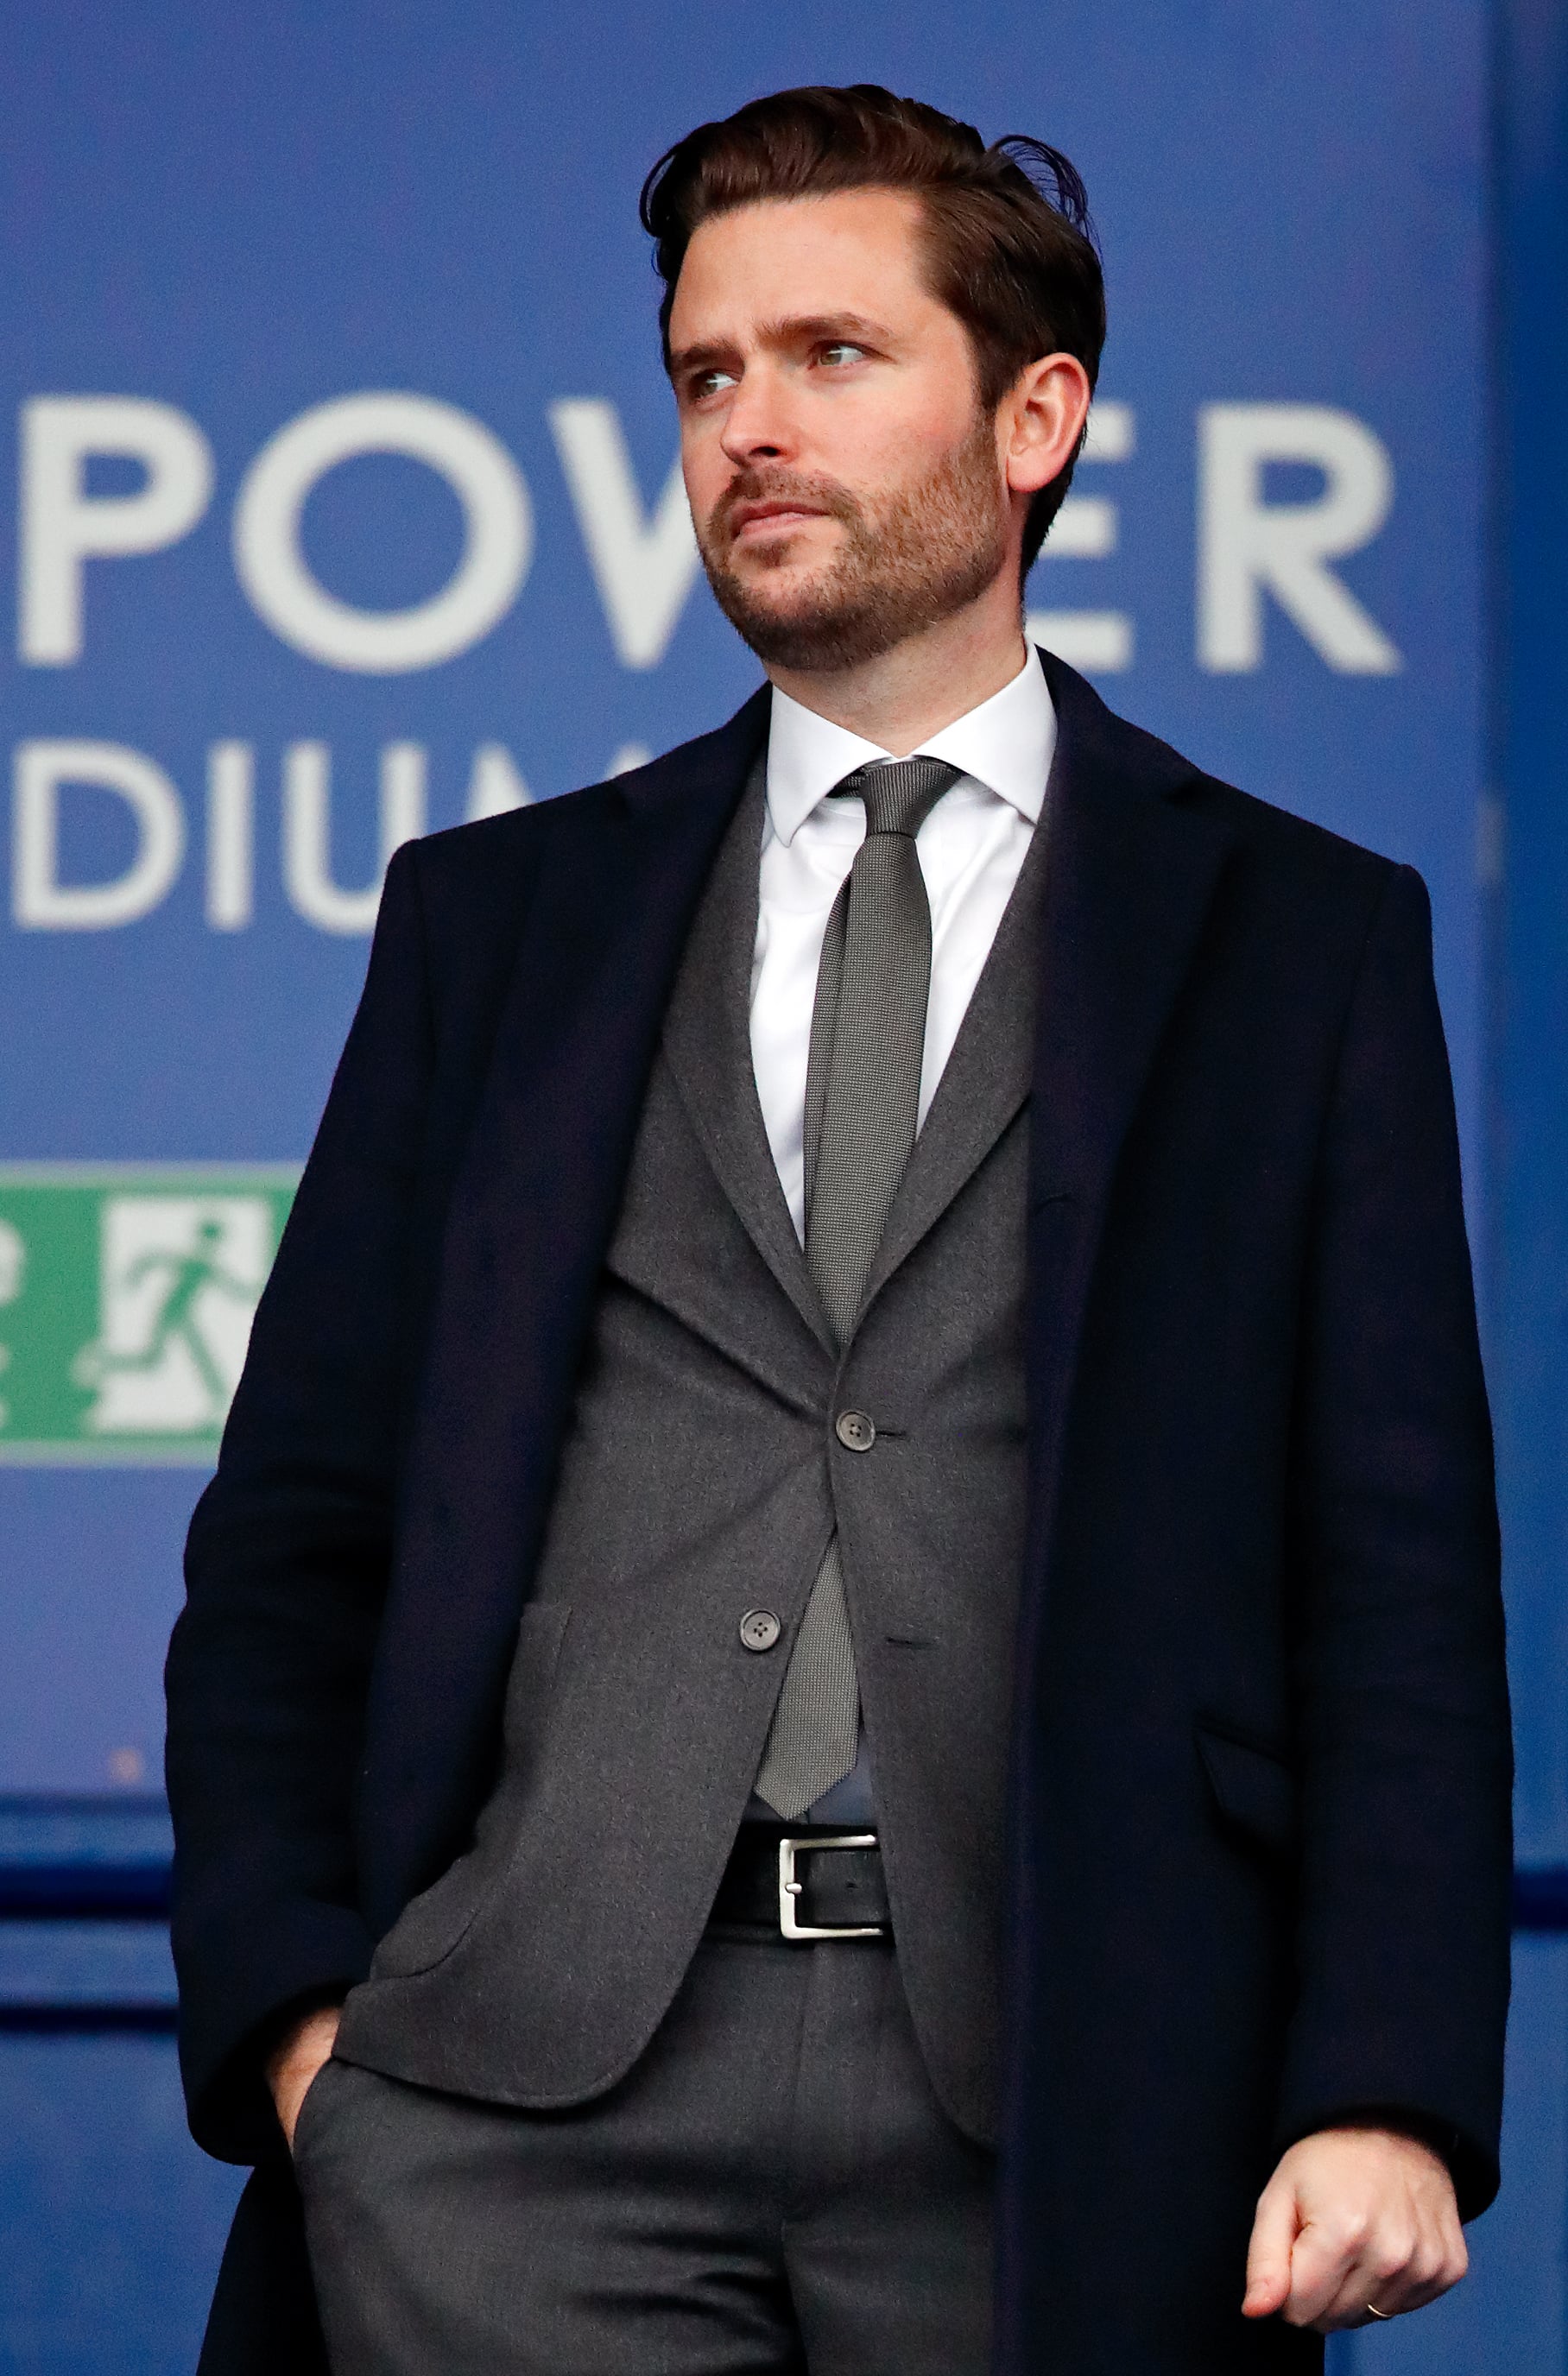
774,2188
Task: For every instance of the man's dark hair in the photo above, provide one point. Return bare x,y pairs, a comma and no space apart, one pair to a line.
1009,247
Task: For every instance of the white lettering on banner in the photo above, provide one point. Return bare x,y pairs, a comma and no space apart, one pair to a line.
39,900
630,756
496,785
1084,529
1087,528
644,568
644,563
307,832
62,525
1247,545
497,550
1098,642
231,836
43,771
1111,435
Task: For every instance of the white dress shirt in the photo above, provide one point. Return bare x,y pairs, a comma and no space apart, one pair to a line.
971,848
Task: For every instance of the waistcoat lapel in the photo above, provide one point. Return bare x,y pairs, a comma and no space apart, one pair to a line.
987,1077
708,1046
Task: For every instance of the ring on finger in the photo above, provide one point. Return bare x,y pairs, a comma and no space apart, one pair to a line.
1374,2312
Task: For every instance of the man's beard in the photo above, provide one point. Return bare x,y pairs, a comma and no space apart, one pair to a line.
908,560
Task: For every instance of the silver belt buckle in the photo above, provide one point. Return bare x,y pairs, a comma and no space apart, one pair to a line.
789,1888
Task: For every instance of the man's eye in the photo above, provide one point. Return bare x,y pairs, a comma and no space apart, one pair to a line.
840,352
710,383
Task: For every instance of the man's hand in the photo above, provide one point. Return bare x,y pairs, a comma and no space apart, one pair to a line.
1353,2219
294,2062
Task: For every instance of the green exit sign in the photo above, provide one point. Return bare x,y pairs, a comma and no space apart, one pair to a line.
126,1296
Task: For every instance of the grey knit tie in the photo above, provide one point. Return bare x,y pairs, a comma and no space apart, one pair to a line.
863,1106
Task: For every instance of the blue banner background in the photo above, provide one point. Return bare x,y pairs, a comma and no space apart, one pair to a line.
245,215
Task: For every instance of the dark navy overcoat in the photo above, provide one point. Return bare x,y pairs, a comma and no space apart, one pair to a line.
1259,1851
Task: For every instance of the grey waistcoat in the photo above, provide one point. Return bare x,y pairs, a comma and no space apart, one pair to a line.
701,1478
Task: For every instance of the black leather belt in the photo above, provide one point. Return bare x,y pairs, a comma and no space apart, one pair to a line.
804,1884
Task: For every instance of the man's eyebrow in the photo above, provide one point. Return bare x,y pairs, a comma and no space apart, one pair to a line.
822,326
787,331
699,358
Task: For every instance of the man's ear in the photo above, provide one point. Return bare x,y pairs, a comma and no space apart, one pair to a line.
1042,418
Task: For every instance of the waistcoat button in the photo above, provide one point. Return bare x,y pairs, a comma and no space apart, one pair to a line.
760,1628
854,1430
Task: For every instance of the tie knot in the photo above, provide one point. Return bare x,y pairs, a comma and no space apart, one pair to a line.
900,794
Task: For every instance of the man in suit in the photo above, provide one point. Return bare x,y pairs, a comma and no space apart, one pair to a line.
841,1703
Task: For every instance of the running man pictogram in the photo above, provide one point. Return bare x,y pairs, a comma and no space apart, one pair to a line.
176,1320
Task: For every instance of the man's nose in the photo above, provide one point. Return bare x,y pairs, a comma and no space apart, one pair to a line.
756,424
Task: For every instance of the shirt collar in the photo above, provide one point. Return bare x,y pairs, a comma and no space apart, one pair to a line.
1007,743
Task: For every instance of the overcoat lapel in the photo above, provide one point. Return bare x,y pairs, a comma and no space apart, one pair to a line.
1132,871
531,1213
